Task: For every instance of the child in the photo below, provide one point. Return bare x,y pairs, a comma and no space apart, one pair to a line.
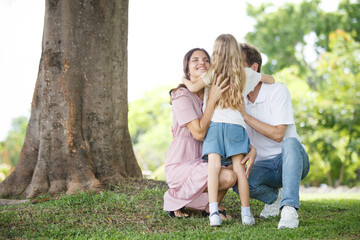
226,136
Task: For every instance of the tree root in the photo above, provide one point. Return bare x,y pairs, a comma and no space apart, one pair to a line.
6,202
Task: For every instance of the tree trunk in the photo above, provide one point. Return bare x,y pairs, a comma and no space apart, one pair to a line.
341,175
329,179
77,137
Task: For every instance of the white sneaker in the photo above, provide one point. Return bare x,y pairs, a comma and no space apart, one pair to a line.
271,210
248,220
289,218
215,220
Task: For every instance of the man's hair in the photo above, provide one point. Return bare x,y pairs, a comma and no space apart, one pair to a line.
252,55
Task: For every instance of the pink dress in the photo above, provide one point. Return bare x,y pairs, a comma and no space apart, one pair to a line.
185,172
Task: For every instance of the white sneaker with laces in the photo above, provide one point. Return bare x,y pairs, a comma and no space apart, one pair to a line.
271,210
289,218
215,219
248,220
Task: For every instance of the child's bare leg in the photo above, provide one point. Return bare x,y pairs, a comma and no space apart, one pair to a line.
246,217
213,187
227,179
243,184
214,168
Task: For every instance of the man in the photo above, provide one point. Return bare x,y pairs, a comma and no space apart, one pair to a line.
281,160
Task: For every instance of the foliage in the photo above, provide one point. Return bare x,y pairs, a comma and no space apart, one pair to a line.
11,147
328,116
5,170
133,210
150,128
286,34
339,102
324,87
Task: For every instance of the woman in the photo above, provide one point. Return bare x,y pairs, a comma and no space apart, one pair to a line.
185,172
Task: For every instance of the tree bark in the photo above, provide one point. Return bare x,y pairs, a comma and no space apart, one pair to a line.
329,179
341,175
77,137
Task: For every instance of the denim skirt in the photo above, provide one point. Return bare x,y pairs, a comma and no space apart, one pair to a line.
227,140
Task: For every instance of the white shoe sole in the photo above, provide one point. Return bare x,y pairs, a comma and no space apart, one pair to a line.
283,225
215,221
248,221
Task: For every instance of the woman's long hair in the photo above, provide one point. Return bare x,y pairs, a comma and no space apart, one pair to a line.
227,59
186,67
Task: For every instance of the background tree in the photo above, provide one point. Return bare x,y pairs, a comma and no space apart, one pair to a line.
339,106
150,122
325,89
77,137
284,35
10,148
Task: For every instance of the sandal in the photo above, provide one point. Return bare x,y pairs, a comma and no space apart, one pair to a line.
172,213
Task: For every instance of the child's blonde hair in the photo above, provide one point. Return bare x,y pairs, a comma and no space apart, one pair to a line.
227,59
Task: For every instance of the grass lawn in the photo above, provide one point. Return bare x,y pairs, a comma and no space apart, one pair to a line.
133,210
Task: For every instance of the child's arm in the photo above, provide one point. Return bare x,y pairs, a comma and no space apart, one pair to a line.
193,86
253,78
267,78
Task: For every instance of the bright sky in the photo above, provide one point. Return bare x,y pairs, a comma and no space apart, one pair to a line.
160,33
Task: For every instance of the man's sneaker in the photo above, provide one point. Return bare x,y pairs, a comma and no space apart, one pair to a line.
248,220
215,219
271,210
289,218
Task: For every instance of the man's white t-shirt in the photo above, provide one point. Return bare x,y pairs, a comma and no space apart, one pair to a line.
272,106
227,115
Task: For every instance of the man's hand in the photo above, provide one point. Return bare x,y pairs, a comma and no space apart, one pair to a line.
250,158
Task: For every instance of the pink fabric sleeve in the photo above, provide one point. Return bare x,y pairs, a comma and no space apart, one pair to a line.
183,107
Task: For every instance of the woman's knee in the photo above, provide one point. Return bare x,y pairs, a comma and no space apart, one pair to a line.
227,179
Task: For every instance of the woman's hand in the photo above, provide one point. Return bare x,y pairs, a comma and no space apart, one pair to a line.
199,127
217,88
250,157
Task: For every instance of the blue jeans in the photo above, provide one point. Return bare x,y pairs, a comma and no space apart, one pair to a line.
286,170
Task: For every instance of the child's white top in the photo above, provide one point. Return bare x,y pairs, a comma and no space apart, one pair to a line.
228,115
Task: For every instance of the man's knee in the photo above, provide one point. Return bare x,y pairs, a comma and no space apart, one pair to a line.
254,190
253,185
290,143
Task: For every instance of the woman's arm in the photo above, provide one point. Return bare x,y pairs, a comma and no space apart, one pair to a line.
267,78
193,86
199,127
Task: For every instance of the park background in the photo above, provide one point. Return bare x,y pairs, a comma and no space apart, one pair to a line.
311,46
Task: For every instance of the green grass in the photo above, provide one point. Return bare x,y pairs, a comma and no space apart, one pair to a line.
133,210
